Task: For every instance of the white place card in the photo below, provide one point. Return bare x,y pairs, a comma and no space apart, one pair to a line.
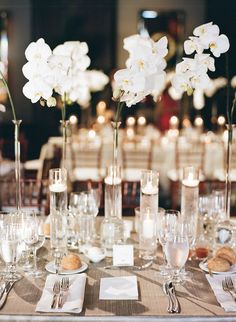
123,255
119,288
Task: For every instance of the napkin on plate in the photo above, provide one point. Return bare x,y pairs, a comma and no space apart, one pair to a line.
75,295
224,298
119,288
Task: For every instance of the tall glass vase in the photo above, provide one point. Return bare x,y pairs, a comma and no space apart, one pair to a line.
224,232
65,127
17,124
230,128
112,226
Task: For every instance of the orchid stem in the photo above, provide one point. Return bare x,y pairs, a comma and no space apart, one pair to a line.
9,95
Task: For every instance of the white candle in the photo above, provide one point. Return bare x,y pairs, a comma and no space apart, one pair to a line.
149,189
190,181
57,187
148,227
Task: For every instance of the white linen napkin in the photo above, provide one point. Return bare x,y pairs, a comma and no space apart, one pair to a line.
119,288
75,295
224,298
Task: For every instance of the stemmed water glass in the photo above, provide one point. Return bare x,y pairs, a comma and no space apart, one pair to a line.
34,238
177,250
167,223
11,244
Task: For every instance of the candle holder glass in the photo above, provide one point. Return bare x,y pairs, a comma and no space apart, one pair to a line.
149,191
147,234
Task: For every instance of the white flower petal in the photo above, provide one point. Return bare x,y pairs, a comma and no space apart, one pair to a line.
38,50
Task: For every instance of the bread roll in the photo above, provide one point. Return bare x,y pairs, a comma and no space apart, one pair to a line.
226,253
217,264
71,262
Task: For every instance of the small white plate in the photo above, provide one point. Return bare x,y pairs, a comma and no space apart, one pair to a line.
204,267
50,267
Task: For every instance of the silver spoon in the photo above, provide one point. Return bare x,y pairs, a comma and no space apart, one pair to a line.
176,306
166,290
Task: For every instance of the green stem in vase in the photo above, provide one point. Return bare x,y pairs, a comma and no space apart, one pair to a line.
9,95
64,130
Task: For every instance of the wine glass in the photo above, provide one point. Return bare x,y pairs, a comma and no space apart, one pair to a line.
177,250
34,238
11,244
167,223
97,196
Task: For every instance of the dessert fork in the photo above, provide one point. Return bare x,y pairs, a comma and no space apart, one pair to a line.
228,289
56,292
65,284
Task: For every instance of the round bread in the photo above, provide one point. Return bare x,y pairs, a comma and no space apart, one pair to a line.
217,264
71,262
46,229
226,253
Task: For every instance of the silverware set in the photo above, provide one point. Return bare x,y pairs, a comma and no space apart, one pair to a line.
6,287
173,303
228,287
60,291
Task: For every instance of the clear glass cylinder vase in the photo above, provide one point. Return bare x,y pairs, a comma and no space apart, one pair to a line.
17,124
65,128
58,210
112,226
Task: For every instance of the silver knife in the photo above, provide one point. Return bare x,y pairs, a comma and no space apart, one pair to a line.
5,293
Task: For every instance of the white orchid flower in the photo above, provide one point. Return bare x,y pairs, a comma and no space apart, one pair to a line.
84,97
36,68
193,44
199,80
219,45
36,89
61,62
182,84
205,60
51,102
132,42
82,63
38,50
80,50
132,98
160,47
2,108
206,29
97,80
129,81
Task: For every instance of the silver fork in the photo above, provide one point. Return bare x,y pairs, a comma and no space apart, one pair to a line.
65,284
56,291
228,289
230,284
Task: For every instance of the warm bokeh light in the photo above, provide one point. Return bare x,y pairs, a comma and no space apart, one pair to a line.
73,119
141,120
91,134
221,120
130,121
101,107
101,119
198,121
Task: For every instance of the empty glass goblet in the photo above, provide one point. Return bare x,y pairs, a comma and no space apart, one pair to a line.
33,237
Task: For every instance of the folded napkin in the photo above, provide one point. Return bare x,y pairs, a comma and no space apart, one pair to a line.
224,298
119,288
75,295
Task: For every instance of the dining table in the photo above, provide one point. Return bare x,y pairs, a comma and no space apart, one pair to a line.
197,300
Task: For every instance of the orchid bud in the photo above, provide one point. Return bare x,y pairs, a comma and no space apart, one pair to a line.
116,94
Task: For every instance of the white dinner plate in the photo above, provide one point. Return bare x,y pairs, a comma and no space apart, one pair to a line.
204,267
50,267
